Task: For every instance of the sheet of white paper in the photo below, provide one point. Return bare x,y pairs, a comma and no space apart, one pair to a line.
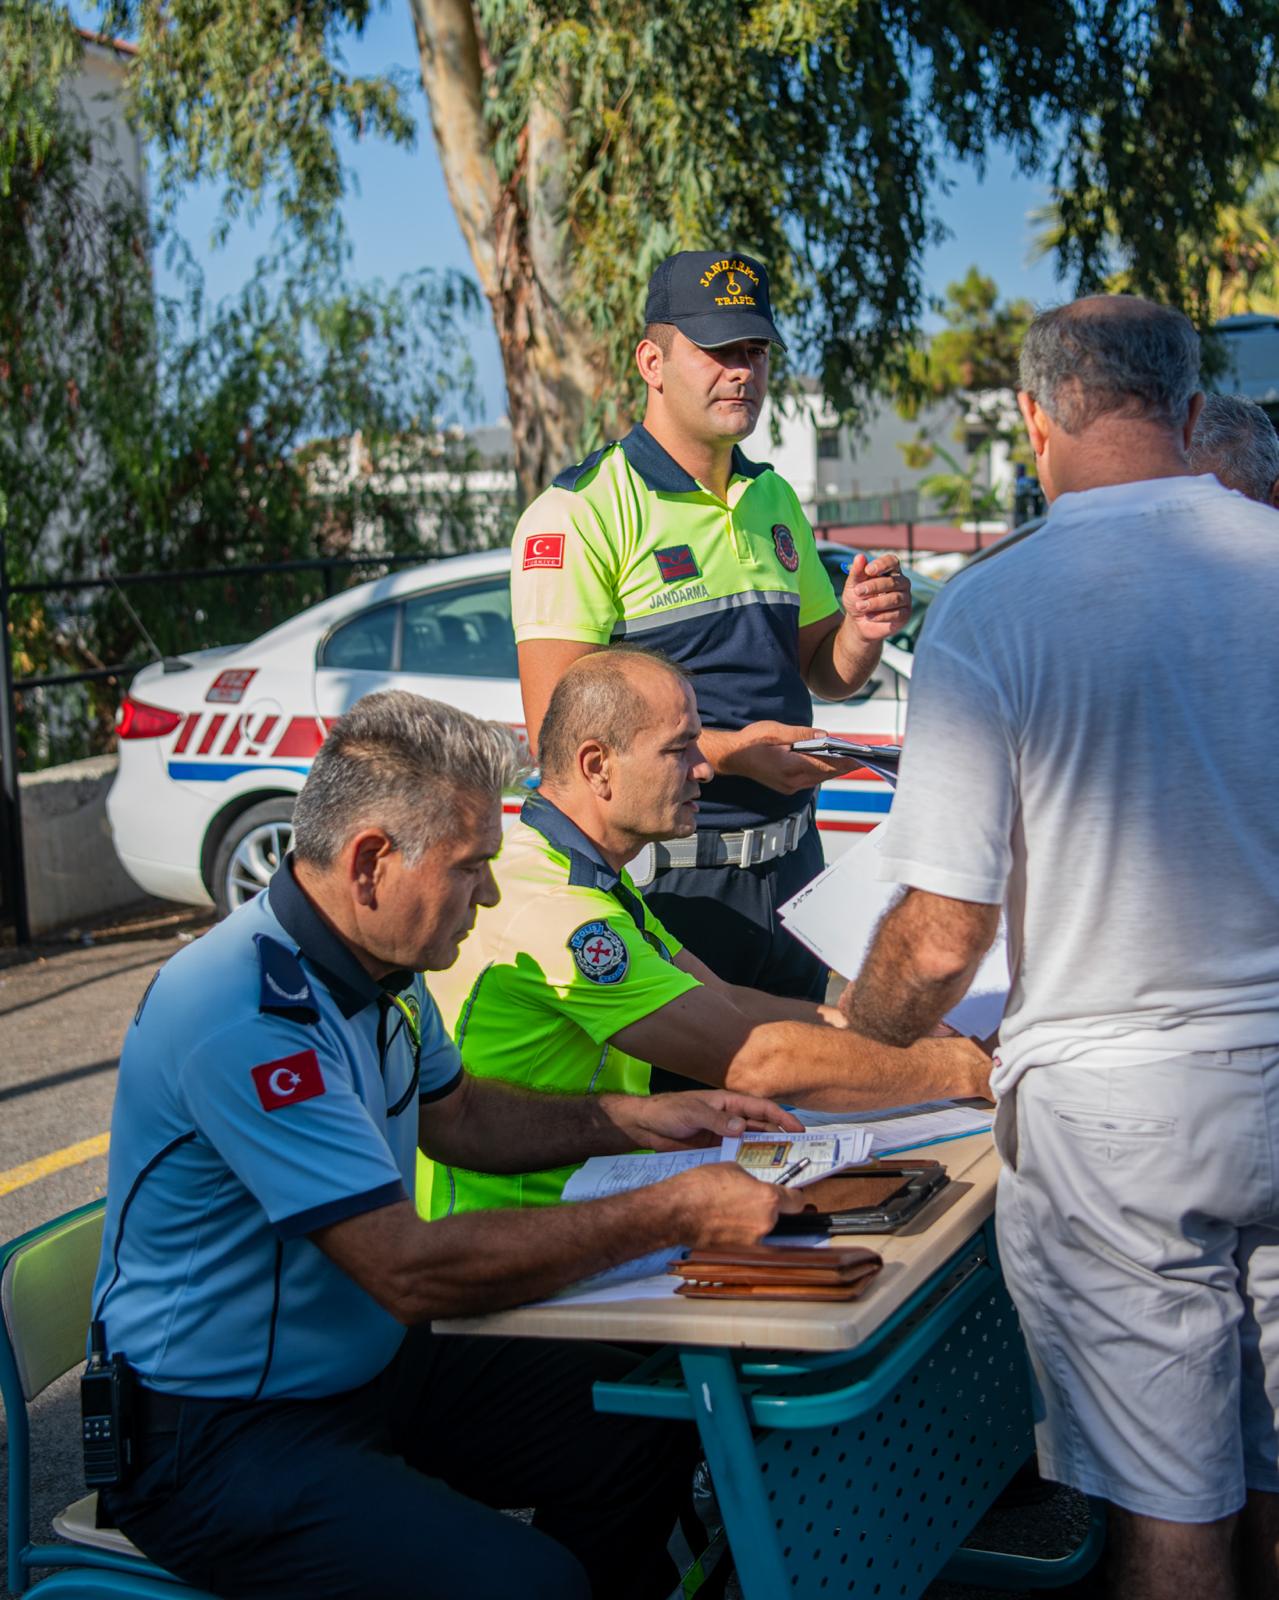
927,1127
836,916
647,1278
603,1175
852,1119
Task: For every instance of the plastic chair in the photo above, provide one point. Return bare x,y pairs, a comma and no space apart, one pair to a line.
46,1279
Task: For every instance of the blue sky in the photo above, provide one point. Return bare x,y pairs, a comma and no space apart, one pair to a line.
399,218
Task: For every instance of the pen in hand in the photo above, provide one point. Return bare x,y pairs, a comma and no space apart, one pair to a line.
794,1170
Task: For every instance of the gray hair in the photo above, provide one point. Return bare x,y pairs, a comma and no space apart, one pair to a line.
399,762
597,699
1111,354
1236,440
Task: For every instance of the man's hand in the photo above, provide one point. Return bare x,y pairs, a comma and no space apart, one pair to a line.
721,1206
876,597
762,751
694,1119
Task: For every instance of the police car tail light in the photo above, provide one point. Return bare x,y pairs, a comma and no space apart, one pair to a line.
137,720
228,687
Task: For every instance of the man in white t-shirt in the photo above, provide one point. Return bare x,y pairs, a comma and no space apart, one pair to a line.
1094,745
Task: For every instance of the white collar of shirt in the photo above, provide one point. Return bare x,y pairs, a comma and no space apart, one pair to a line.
1146,494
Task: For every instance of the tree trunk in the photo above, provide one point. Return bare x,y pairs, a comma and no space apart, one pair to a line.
555,368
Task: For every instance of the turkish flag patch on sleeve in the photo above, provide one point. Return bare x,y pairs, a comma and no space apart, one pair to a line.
543,550
289,1080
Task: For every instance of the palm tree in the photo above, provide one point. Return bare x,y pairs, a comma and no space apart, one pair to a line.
1239,262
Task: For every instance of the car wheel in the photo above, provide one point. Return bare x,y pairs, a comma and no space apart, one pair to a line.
251,849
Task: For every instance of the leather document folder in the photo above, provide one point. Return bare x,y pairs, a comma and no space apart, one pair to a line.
774,1272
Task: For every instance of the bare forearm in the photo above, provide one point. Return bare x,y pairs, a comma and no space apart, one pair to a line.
486,1260
921,963
842,663
760,1007
719,745
507,1128
830,1069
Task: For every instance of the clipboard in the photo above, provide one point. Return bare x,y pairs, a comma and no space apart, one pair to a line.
877,1198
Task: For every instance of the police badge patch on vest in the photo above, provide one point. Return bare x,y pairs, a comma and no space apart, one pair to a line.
784,544
599,953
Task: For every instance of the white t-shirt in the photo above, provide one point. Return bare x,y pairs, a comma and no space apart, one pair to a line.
1094,740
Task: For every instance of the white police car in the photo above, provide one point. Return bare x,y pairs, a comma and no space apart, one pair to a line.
214,745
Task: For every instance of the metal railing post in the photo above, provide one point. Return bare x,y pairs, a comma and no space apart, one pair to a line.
12,859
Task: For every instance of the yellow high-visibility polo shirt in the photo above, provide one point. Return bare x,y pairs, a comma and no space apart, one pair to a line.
569,958
628,546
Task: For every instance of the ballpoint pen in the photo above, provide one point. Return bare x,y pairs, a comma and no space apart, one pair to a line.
794,1170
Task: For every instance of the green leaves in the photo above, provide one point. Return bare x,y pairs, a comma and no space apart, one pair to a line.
253,94
38,48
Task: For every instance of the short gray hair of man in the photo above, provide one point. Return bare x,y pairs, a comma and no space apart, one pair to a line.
403,763
1236,440
597,699
1111,354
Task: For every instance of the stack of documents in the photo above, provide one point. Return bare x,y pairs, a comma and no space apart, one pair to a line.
836,916
905,1127
767,1156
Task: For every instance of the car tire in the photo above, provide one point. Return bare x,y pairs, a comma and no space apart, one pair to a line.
250,850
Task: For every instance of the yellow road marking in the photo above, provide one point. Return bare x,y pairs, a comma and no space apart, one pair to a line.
70,1156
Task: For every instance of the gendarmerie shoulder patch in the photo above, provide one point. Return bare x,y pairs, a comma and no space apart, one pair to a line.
600,953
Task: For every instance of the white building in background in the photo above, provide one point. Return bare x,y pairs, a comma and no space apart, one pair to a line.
98,93
843,474
840,474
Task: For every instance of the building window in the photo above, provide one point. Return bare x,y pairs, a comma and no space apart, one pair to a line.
828,444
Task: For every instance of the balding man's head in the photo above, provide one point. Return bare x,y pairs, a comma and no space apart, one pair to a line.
1236,441
607,697
618,749
1111,355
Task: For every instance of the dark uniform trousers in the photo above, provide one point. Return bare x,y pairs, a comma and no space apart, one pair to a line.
727,916
390,1492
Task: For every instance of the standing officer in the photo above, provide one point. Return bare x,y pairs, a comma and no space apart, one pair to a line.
672,539
261,1256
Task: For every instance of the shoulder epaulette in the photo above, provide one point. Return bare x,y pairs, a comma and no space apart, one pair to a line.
572,476
286,989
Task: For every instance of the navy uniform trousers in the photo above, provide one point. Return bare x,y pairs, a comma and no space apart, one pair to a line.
390,1492
727,916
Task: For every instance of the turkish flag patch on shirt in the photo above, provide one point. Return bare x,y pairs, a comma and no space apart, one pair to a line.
544,550
289,1080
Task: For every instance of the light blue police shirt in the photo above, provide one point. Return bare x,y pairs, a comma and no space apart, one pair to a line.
253,1107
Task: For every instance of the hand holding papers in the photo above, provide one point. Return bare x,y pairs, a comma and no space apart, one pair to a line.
836,916
881,759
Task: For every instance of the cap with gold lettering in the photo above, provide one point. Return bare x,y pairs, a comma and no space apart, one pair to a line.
712,297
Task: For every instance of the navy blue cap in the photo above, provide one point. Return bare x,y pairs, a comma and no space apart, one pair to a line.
713,298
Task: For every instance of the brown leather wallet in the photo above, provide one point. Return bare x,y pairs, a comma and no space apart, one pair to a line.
772,1272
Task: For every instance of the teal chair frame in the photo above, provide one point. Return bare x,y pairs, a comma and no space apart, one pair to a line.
87,1572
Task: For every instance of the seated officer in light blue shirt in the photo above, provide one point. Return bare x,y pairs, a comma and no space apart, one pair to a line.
262,1254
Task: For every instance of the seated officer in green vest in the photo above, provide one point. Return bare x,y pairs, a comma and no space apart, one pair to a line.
572,984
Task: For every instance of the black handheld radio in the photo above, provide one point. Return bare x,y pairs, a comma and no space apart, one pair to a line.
108,1392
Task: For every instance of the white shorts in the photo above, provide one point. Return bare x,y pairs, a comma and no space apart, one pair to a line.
1138,1225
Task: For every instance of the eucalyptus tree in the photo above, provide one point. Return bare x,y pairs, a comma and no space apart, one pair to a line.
584,139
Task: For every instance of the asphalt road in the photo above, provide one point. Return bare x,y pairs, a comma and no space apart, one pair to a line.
64,1008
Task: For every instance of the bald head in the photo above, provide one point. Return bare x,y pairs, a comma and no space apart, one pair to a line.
607,697
1111,355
